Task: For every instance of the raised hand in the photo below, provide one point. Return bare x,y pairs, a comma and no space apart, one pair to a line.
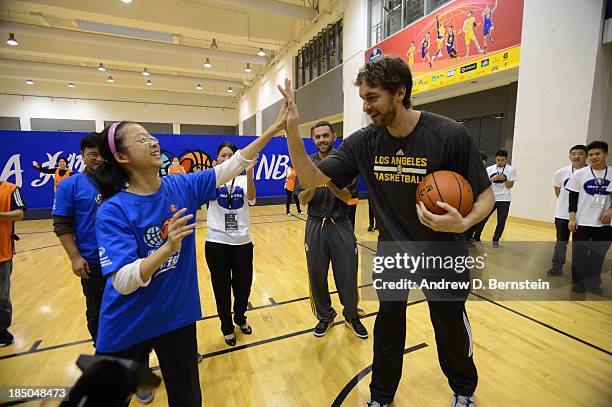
178,230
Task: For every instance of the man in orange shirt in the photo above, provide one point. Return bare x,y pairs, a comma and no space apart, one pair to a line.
11,209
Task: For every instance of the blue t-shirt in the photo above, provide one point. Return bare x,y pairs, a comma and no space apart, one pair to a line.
78,197
130,227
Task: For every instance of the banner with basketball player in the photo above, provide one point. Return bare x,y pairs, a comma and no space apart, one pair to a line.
195,152
461,41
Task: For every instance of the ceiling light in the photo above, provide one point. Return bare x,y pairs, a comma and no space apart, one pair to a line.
230,90
146,72
199,87
71,85
29,82
207,63
247,68
261,52
126,1
11,40
110,79
213,44
101,67
148,82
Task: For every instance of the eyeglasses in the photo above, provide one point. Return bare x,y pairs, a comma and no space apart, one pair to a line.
92,156
144,140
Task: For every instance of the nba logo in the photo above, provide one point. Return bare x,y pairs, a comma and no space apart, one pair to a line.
376,52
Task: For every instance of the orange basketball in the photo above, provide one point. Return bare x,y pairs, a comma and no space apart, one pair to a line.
448,187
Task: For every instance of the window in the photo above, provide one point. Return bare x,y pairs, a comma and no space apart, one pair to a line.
386,17
319,55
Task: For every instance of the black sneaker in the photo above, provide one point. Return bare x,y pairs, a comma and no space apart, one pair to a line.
370,228
322,328
357,327
230,340
595,290
476,240
553,272
462,401
578,288
6,338
372,403
495,244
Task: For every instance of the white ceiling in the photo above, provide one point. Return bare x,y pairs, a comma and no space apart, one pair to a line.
63,41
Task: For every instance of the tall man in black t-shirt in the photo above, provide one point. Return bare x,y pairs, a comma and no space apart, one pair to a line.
392,155
330,237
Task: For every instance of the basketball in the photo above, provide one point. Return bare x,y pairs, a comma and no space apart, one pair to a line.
448,187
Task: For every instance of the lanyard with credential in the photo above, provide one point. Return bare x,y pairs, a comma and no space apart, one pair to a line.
229,195
600,187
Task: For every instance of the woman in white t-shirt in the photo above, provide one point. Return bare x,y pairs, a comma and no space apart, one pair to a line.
229,249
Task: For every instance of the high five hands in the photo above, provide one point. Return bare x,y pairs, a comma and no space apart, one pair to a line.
288,115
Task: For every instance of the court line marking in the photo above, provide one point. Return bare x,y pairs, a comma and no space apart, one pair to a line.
544,324
359,376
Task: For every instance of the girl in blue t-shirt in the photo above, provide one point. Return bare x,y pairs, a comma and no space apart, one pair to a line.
145,232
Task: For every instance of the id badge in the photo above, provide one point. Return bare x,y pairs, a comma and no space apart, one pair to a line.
231,222
598,201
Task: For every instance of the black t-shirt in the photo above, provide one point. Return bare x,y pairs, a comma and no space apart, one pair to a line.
392,168
325,204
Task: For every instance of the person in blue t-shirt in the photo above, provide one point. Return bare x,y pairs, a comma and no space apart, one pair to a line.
145,231
74,215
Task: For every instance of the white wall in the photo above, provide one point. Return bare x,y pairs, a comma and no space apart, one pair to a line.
87,103
600,120
555,87
263,92
354,45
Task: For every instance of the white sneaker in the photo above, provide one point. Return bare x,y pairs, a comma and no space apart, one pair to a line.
462,401
145,397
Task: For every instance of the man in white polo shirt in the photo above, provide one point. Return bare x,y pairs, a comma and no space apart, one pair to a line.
577,156
502,176
589,218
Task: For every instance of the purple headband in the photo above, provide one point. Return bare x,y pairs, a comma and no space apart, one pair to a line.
111,137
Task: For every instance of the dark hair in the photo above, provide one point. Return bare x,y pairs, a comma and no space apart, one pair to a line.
90,141
62,158
322,124
578,147
110,176
227,144
390,72
501,153
597,144
483,156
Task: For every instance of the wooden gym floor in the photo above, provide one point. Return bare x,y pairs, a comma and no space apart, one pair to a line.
527,353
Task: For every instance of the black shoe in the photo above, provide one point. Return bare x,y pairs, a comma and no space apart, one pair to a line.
595,290
357,327
375,227
370,228
578,288
246,329
476,239
322,328
6,338
553,272
495,244
231,341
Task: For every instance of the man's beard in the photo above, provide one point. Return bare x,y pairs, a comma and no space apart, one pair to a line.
387,119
